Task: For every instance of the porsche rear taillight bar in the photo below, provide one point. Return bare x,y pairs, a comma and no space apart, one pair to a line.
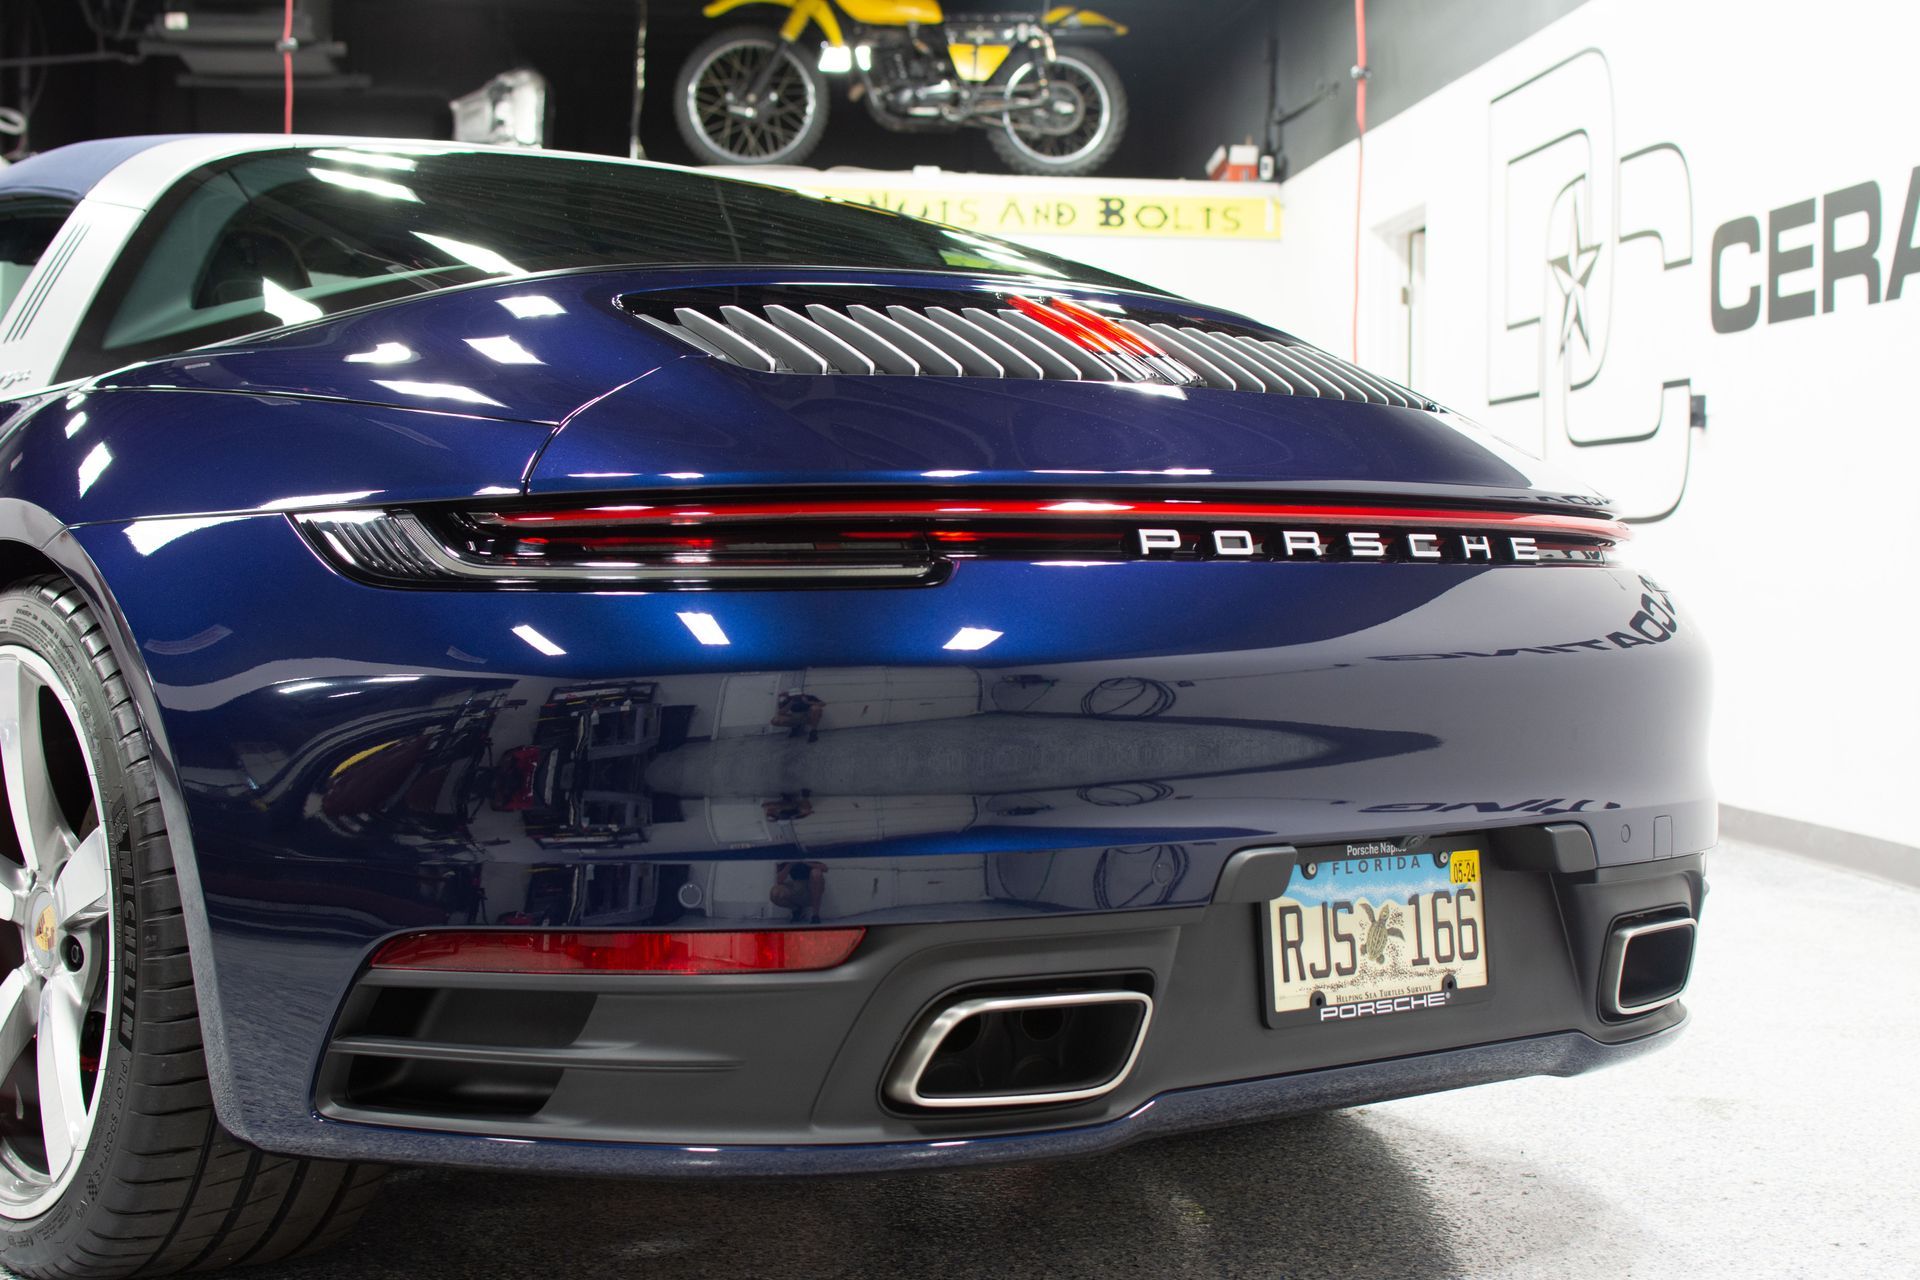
869,541
1153,510
403,548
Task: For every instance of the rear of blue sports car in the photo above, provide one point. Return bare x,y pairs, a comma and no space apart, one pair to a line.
730,714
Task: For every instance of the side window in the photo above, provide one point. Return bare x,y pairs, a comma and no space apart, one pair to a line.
27,226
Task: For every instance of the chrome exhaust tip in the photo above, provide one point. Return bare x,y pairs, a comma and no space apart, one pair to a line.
1021,1050
1646,965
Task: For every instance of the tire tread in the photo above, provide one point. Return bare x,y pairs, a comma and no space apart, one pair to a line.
182,1193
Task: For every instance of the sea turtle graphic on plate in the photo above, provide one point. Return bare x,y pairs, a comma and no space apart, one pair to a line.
1380,928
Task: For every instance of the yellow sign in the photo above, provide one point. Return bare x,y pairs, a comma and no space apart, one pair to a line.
1079,211
1465,865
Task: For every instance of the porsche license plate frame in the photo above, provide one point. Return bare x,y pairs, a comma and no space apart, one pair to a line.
1355,937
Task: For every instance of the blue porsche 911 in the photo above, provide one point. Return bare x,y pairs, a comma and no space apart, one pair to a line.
547,663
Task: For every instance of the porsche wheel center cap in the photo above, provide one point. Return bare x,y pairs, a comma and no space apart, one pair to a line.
42,932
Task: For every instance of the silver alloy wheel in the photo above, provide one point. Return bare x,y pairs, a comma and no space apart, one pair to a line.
761,132
56,1011
1054,143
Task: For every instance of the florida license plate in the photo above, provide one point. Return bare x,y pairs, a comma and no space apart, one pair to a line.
1364,937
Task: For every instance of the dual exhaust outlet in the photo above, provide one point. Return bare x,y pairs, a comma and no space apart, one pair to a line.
1051,1048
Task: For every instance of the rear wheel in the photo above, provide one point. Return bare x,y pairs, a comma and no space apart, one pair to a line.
725,122
111,1158
1077,130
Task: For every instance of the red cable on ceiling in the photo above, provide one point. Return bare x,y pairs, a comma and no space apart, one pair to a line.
1359,154
286,65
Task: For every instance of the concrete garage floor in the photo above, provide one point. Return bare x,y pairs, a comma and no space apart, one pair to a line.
1779,1136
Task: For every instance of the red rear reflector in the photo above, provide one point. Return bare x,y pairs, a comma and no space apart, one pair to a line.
554,951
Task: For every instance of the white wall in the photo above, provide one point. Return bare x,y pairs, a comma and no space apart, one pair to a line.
1640,128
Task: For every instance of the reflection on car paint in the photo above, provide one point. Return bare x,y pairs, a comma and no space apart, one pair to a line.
491,803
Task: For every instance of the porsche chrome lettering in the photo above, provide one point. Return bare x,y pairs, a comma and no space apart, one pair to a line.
1376,1008
1342,544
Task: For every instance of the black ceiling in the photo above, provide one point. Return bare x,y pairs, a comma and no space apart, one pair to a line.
408,57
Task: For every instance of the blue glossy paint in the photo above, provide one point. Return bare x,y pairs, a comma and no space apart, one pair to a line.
703,418
95,456
341,762
415,352
342,749
639,412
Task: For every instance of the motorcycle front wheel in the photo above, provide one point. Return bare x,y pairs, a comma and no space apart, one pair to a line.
725,123
1080,127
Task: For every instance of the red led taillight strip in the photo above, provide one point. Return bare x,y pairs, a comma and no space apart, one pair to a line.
1080,335
1597,528
587,951
1125,339
1119,347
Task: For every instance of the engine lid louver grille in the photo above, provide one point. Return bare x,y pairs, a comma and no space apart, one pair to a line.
982,334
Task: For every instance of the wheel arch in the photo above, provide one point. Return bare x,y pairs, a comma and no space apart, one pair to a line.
34,541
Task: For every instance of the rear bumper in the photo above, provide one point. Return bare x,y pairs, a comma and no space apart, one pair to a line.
775,1073
1564,1053
342,763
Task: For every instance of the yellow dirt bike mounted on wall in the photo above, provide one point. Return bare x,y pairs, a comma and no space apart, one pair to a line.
758,95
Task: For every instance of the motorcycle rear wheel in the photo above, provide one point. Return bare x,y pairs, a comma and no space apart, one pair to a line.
1088,80
722,128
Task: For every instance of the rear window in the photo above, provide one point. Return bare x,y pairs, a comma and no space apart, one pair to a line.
281,237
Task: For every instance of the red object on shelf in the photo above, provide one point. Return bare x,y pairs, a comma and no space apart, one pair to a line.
513,792
1239,162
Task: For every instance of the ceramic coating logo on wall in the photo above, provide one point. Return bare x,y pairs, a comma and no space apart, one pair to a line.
1588,256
